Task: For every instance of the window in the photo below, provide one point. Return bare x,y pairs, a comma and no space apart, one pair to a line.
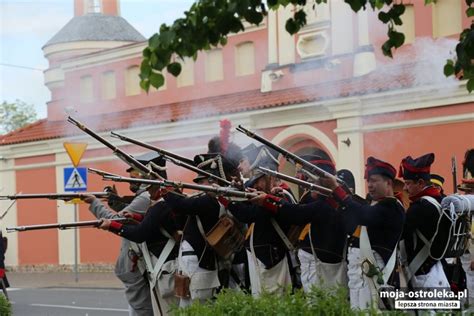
447,16
93,6
245,59
132,81
214,65
108,85
408,27
186,77
86,91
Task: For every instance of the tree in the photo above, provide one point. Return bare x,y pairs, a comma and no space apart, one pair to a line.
208,23
15,115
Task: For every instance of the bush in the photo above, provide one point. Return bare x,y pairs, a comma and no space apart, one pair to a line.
5,306
318,302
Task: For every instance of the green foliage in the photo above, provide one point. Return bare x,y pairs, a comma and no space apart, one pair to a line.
15,115
208,23
5,306
463,65
317,302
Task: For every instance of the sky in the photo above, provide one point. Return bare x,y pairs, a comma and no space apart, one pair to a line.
26,25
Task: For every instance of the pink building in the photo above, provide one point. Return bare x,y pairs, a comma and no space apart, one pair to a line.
326,88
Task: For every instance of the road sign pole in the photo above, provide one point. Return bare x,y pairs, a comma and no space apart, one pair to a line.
75,152
76,232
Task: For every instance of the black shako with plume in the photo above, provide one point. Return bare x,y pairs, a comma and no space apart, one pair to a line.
230,152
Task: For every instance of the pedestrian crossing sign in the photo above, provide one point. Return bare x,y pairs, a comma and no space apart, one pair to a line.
75,179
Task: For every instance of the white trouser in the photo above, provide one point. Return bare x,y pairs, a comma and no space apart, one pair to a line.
314,272
203,282
274,280
359,287
435,278
164,288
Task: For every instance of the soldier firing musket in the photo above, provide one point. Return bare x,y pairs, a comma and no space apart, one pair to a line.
55,196
61,226
173,158
294,159
304,184
127,158
224,191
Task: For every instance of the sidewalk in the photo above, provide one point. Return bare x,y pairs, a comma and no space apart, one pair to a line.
63,279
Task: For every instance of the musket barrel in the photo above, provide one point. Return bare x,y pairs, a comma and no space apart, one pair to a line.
304,184
128,159
172,157
182,185
100,172
151,147
54,196
94,223
197,170
288,155
454,172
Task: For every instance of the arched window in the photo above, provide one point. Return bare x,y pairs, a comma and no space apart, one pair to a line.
86,89
108,85
186,77
214,65
244,59
447,17
132,81
408,26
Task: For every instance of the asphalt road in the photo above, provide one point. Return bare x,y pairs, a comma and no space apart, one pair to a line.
57,301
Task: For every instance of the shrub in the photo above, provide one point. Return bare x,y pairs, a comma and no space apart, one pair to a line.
317,302
5,306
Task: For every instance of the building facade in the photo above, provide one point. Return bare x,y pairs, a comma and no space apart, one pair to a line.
326,88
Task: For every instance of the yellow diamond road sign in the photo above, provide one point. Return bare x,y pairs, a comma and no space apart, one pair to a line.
75,151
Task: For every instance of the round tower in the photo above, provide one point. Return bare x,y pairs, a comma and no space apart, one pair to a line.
96,25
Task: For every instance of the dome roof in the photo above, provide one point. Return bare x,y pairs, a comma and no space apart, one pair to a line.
96,27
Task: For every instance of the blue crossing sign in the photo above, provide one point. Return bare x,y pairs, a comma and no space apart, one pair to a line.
75,179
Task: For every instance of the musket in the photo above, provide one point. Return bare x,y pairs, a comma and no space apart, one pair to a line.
172,157
62,226
294,159
454,172
127,158
54,196
197,170
310,175
304,184
101,172
8,208
224,191
151,147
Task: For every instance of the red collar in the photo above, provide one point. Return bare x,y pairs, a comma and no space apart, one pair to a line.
428,191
